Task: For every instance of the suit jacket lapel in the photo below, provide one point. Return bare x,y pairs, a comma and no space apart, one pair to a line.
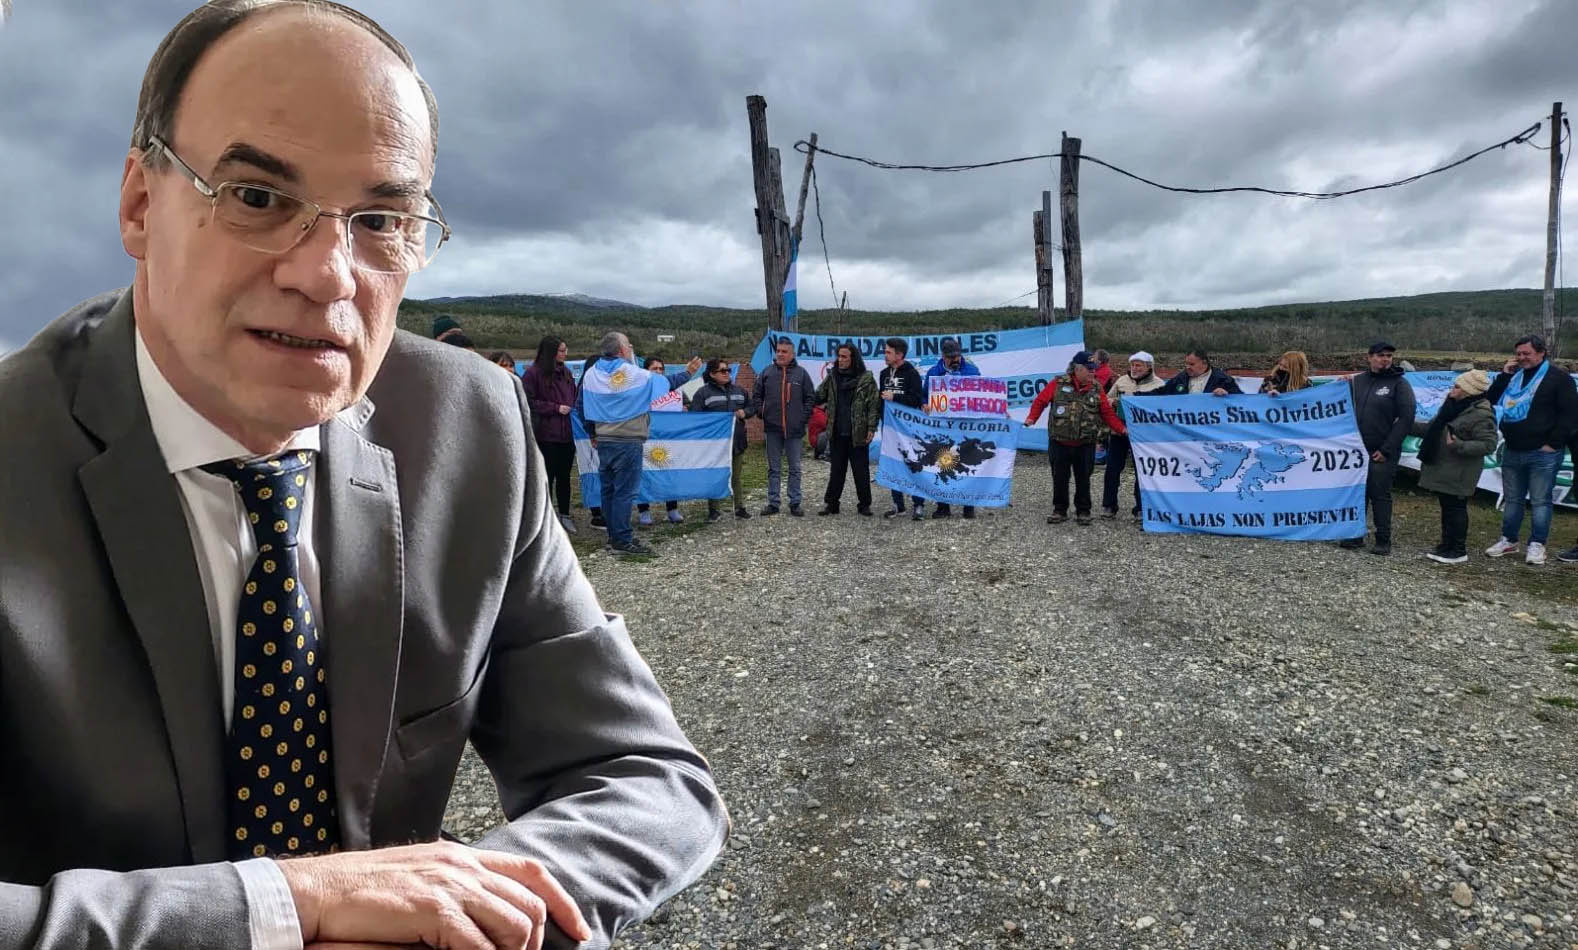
137,509
358,535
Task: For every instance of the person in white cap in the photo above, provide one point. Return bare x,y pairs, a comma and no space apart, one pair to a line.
1141,378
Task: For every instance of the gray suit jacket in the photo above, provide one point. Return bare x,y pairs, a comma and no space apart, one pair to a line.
453,607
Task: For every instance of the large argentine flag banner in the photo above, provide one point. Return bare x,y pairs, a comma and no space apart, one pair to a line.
686,457
1291,467
1025,359
959,460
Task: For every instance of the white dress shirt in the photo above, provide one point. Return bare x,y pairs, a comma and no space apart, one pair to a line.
225,547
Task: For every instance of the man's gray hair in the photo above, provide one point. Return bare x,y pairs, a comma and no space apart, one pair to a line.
179,52
613,344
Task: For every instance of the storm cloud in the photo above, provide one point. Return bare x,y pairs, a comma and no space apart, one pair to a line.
602,147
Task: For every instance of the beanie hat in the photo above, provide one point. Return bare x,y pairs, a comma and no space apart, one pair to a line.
1474,382
443,323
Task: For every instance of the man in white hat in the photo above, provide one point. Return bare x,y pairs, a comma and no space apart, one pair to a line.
1141,378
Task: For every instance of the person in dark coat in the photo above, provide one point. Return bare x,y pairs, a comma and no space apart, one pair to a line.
1384,403
550,392
1537,408
850,394
720,394
901,382
1199,376
1452,452
783,397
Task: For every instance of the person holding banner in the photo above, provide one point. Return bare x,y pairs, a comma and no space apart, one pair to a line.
1292,374
901,383
1383,399
615,407
952,363
1199,376
1452,450
673,401
1079,408
783,397
1538,413
720,394
850,393
1140,379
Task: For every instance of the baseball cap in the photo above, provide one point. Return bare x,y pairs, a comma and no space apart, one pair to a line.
1082,358
1381,346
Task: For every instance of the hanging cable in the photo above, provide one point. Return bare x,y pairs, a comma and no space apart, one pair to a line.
821,231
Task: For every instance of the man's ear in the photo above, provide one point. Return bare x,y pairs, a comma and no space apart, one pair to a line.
134,206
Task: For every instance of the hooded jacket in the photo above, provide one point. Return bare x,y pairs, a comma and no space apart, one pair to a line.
1384,403
904,383
783,396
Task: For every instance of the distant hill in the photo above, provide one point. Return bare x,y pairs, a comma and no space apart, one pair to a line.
1485,321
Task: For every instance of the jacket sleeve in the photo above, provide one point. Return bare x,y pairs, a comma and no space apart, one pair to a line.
201,906
1498,386
1039,404
1403,399
1230,384
822,390
873,403
914,395
1113,422
1566,411
746,401
808,392
1478,442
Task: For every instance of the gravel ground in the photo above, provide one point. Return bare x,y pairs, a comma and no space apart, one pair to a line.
1004,733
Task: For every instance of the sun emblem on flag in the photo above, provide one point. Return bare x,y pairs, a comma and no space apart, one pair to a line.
658,455
618,378
947,459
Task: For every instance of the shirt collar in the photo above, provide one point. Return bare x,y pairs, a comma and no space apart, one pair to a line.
186,438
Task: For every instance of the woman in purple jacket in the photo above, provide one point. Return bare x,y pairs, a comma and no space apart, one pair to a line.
550,391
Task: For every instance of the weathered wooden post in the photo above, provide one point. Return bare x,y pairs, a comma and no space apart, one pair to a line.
1073,278
771,218
1549,304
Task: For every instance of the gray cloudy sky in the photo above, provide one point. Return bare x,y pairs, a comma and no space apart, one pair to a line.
602,147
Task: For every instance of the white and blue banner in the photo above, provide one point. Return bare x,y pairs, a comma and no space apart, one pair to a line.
1290,467
687,457
1025,359
959,460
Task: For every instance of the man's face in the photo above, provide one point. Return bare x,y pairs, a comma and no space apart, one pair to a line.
783,354
315,107
1380,362
1138,368
843,358
892,357
1526,356
1194,365
953,362
1082,374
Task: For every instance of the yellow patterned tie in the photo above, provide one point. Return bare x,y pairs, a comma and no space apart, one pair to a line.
279,764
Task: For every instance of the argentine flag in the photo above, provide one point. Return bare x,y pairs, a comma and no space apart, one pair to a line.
615,390
687,457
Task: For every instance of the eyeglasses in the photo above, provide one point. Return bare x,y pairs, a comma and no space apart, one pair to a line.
272,221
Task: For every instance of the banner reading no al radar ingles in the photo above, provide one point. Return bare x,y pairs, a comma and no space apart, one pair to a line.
687,457
1291,467
954,459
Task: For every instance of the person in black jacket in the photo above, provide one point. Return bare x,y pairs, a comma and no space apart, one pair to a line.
1537,408
901,382
720,394
783,397
1199,376
1384,403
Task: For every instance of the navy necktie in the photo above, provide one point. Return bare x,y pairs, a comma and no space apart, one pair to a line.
279,764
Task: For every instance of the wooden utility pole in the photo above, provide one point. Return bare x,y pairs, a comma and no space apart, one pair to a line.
1068,191
1551,229
772,220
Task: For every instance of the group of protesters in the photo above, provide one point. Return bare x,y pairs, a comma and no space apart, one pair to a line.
1526,412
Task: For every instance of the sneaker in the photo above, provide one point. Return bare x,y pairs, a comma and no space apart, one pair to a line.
636,547
1569,556
919,514
768,510
797,511
826,510
1057,517
741,513
863,510
1382,548
893,512
569,525
1448,556
1351,544
1082,517
1109,513
645,520
1534,554
675,516
598,522
1501,547
969,513
713,514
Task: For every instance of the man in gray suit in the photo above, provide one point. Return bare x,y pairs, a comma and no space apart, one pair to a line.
248,621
